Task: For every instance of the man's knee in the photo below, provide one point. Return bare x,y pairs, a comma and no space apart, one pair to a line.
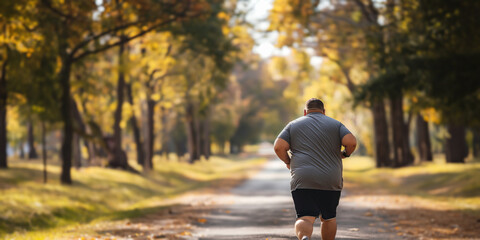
327,220
308,219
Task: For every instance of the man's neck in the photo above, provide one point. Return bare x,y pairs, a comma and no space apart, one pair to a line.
315,111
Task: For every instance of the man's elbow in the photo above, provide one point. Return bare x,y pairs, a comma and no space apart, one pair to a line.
278,149
279,146
350,141
354,141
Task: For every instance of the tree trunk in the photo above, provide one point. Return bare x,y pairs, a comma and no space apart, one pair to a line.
402,153
64,78
423,139
235,147
76,150
32,152
382,146
44,152
456,148
135,128
180,147
82,128
476,142
3,116
163,137
117,157
191,133
180,139
205,141
22,150
198,136
221,147
150,136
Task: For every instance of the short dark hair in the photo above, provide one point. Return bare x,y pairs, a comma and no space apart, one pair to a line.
314,103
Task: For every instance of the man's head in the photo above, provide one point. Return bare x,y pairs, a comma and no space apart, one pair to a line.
314,105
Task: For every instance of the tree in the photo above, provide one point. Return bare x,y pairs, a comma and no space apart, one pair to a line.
342,32
423,139
15,40
79,34
208,48
442,65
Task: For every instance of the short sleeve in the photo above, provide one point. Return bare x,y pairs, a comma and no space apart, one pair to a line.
285,133
343,131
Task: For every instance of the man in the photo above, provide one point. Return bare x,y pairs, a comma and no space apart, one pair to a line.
315,141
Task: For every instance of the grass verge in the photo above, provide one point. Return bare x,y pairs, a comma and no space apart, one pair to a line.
456,183
427,201
33,210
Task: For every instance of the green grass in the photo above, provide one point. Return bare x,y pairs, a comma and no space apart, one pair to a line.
33,210
457,184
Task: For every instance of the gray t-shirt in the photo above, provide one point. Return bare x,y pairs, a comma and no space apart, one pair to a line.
315,142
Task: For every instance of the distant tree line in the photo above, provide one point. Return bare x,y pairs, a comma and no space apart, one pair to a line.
156,72
406,60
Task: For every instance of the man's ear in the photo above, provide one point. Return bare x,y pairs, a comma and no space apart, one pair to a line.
304,112
323,111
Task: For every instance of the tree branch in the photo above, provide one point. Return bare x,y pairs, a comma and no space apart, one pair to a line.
126,39
350,85
337,18
372,8
91,38
365,11
167,74
48,4
121,41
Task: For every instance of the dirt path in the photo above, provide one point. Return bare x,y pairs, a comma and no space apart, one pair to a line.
261,208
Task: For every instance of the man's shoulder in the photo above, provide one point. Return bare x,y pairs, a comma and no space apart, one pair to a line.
332,120
326,119
318,118
298,120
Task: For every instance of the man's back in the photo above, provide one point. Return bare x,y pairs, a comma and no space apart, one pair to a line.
316,167
315,142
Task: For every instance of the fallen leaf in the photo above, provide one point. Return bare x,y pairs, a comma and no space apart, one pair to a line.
186,233
202,220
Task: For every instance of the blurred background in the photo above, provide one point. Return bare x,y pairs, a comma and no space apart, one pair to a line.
150,85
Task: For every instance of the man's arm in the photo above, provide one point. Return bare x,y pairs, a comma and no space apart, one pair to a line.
350,143
281,148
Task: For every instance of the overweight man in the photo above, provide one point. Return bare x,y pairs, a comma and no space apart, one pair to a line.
315,164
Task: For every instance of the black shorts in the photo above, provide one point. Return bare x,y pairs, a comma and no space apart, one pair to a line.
313,202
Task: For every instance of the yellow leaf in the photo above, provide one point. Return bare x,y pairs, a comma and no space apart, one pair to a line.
202,220
223,15
225,30
186,233
156,96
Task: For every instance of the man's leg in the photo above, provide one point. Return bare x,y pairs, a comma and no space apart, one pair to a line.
304,227
329,229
